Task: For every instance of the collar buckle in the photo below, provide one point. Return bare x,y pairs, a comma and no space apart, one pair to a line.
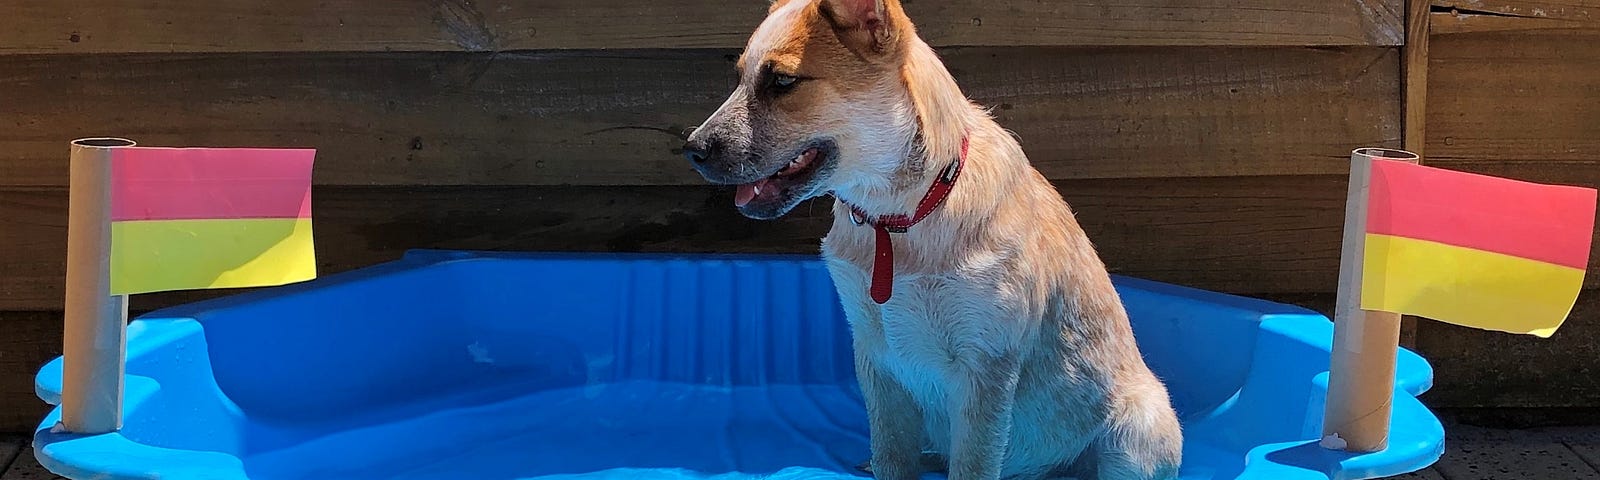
948,175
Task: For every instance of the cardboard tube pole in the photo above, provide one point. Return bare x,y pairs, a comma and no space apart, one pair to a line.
1361,372
95,334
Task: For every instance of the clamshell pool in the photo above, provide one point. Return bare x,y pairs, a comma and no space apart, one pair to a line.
493,366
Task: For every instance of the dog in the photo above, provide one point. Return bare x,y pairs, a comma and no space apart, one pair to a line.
986,331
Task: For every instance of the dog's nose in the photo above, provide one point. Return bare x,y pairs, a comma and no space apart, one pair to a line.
697,151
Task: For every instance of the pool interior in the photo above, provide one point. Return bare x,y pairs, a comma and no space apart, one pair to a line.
449,365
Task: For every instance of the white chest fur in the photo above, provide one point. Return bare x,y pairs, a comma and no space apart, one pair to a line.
936,327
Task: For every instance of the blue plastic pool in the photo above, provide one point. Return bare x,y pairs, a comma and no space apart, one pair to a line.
470,365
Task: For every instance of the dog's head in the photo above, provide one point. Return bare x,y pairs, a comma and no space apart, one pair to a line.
820,100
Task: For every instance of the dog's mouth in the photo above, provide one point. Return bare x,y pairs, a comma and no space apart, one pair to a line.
773,195
772,187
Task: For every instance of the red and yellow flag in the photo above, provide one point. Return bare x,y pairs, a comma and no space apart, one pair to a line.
1474,250
197,218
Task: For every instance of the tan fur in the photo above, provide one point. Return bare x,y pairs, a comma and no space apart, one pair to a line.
1005,348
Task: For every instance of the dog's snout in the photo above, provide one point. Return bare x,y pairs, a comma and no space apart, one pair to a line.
698,150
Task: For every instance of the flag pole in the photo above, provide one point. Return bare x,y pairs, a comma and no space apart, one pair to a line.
95,330
1365,342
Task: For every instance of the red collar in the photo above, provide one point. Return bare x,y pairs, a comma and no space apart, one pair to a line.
883,256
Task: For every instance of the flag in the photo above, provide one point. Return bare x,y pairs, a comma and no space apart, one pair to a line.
199,218
1474,250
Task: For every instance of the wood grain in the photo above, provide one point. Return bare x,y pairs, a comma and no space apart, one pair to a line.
1511,99
617,117
1585,10
1477,16
27,467
27,341
1414,71
10,446
1244,234
172,26
1424,474
1474,453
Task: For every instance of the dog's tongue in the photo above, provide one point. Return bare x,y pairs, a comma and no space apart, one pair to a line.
748,192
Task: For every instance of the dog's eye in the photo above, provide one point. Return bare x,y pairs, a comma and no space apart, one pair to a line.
783,82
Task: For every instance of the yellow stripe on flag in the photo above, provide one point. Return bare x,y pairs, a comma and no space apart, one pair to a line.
161,255
1467,287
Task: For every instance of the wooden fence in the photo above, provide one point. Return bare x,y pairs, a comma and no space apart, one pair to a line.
1203,142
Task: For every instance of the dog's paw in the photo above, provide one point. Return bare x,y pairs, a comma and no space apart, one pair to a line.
928,462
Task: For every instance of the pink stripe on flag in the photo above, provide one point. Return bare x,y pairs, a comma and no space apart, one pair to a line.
1548,223
160,183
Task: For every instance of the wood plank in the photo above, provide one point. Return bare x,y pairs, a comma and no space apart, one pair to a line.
1455,22
27,467
1586,443
1479,368
1246,234
27,341
1414,69
1514,98
1583,10
1474,453
168,26
617,117
1522,417
1476,16
1424,474
9,448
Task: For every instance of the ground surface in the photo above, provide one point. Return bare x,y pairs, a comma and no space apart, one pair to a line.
1472,453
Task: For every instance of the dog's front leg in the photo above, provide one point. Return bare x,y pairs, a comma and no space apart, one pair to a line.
894,421
981,407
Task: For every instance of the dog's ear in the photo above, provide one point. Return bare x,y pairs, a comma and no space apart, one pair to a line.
776,4
863,25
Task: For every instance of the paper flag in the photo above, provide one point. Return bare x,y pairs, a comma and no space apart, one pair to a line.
1474,250
198,218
